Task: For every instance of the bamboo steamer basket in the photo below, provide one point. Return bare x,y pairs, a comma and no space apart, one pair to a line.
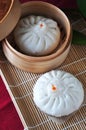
10,11
40,64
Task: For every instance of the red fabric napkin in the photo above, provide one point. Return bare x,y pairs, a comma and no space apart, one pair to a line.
9,119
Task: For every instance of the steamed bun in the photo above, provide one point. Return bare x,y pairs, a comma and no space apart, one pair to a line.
58,93
37,35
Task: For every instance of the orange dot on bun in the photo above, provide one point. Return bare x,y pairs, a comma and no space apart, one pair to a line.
54,88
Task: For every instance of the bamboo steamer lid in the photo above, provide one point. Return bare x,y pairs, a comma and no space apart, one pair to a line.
10,12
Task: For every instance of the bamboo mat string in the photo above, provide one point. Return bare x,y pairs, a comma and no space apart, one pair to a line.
42,123
72,125
83,30
74,23
22,83
81,73
74,62
24,96
77,118
66,128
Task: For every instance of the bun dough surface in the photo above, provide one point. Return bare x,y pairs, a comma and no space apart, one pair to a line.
37,35
58,93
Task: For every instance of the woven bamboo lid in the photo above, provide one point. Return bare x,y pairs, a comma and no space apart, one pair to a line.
10,12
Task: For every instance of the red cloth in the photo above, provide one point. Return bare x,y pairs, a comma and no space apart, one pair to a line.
9,119
60,3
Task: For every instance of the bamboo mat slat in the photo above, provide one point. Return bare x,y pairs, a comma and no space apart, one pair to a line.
21,85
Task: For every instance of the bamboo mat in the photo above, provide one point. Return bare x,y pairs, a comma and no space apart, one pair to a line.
21,85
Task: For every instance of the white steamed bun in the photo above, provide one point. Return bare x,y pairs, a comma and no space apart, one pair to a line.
58,93
37,35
